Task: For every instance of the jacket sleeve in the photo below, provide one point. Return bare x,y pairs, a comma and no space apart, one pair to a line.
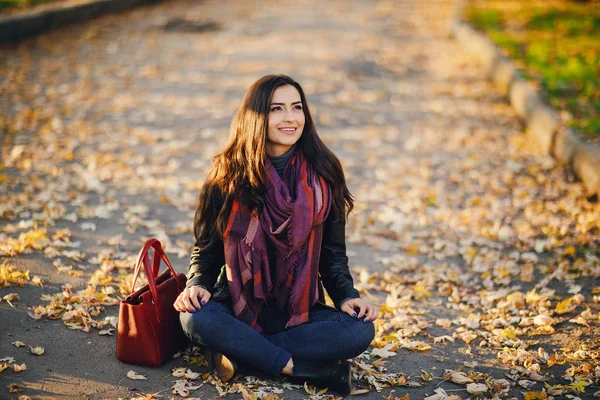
205,263
333,266
208,254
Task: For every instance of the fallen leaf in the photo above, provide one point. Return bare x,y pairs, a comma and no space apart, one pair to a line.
426,376
443,339
457,377
443,322
10,297
134,375
440,394
543,320
383,352
37,350
536,396
19,368
565,306
247,394
14,388
580,385
36,280
182,387
189,374
476,388
19,344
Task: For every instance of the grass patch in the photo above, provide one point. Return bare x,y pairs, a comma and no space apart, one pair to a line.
21,4
557,44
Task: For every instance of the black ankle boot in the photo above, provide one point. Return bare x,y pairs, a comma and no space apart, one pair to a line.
333,375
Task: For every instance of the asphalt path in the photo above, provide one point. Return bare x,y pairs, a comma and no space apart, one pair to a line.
108,128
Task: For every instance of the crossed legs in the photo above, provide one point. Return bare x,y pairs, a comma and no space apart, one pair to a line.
330,335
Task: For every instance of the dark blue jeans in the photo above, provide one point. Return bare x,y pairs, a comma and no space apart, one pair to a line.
329,335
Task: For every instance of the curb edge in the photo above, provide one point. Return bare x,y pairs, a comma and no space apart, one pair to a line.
542,122
16,27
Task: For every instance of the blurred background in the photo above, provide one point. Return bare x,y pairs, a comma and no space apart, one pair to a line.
557,44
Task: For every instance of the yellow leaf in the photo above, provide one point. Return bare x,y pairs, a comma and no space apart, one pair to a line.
532,297
569,251
565,306
412,249
421,292
386,309
18,343
199,361
535,396
509,333
426,376
37,350
580,385
2,177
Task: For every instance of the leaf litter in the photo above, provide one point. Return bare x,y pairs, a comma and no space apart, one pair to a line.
483,245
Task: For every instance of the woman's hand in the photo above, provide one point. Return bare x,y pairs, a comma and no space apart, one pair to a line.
191,299
364,308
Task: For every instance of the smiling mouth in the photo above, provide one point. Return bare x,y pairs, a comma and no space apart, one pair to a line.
288,130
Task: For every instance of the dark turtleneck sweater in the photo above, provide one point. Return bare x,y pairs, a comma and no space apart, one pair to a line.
281,161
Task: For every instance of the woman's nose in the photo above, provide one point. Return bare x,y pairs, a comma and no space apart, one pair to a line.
289,116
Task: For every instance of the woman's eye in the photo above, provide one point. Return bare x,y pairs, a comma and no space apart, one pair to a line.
276,108
298,108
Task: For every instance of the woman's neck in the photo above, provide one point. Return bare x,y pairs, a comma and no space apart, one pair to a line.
279,162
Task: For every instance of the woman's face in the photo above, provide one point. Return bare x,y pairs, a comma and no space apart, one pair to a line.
286,120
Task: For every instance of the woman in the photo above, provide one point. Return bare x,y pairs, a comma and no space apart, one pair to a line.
269,230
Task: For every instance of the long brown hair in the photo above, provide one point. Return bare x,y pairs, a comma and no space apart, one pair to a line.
239,170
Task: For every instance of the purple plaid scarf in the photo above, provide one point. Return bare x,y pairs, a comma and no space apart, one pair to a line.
292,220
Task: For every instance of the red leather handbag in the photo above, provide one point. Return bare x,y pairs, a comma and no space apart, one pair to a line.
149,331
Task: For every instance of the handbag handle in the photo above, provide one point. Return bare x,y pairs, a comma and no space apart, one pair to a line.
152,272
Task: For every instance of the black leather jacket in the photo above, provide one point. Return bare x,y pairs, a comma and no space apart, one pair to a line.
207,264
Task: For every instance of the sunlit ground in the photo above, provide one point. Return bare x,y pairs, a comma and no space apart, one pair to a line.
482,254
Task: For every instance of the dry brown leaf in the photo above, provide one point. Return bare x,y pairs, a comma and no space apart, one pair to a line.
14,388
19,367
457,377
